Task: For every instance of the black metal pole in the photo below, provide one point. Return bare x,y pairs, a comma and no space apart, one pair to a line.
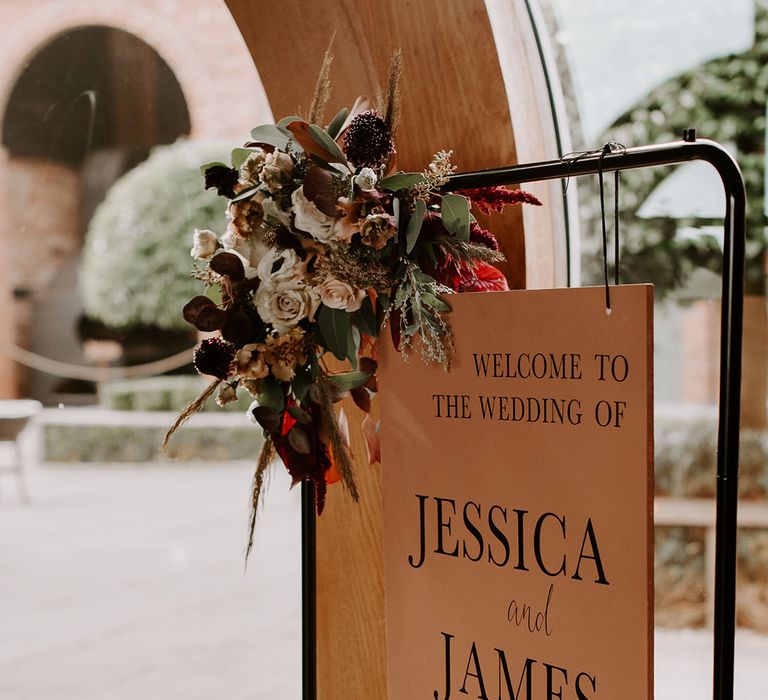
730,345
308,592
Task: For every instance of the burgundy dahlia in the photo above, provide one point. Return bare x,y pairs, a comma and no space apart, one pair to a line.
222,179
368,140
213,357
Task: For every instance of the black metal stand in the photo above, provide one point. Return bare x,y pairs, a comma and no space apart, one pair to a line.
308,608
730,373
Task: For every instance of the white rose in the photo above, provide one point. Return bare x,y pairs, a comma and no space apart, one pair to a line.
366,179
249,170
276,170
249,250
204,244
310,219
340,295
286,305
273,213
277,268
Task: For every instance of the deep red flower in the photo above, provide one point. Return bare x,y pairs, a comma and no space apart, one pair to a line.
312,465
494,199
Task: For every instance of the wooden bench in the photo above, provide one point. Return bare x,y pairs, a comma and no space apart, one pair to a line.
14,416
701,512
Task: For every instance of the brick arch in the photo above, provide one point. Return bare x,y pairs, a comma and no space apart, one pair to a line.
210,66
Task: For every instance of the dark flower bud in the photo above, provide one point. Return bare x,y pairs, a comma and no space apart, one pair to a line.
222,179
368,140
213,357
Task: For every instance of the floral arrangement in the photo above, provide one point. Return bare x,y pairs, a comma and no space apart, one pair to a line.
325,245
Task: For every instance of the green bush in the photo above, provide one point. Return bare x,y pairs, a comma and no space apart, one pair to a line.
140,444
686,451
136,263
162,394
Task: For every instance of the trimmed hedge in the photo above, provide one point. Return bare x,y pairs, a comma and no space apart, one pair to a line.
100,443
686,450
162,394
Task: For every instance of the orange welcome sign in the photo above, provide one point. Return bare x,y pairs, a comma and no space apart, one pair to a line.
518,502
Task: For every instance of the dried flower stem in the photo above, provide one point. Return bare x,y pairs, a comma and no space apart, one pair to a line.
436,175
266,456
339,445
390,109
322,91
189,410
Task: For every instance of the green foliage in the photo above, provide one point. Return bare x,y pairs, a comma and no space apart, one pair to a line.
136,264
723,100
162,394
686,450
140,444
455,213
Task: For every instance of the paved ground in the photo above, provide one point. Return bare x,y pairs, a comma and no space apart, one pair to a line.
127,583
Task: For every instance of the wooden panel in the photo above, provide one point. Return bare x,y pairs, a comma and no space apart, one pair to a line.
546,257
453,91
454,96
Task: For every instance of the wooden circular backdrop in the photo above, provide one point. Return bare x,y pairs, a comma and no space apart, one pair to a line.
473,82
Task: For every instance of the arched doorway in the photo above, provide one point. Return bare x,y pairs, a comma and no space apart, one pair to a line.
85,108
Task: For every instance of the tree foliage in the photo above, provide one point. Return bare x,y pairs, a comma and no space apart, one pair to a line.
724,100
135,269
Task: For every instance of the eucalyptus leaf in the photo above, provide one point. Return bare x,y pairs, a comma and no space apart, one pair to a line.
213,164
324,140
353,345
334,325
396,216
330,167
434,302
455,215
299,440
400,181
337,122
287,120
430,248
382,301
365,318
301,382
413,229
270,394
350,380
246,194
267,418
239,156
299,414
271,134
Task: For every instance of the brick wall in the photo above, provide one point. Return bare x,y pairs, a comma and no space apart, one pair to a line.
40,224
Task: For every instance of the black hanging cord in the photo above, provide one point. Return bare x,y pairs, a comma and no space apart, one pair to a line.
610,147
616,253
606,149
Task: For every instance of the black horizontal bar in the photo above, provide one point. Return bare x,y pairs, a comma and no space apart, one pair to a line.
671,153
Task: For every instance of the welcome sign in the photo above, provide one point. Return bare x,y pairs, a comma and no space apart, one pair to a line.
518,502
